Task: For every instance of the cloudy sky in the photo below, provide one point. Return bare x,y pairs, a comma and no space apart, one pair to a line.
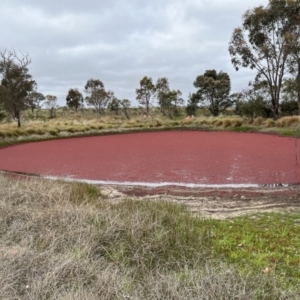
121,41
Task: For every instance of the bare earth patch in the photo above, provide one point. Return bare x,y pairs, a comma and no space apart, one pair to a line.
215,203
220,203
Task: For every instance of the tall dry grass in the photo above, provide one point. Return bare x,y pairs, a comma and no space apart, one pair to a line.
65,241
68,123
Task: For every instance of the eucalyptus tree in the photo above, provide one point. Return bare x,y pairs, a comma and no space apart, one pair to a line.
115,105
168,100
118,106
97,96
16,83
161,90
145,94
192,104
125,106
292,15
74,99
51,104
213,91
289,103
264,43
34,99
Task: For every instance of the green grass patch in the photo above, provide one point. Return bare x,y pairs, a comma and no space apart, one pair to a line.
154,235
258,241
292,132
83,193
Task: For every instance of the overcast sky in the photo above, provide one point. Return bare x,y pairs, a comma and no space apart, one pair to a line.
121,41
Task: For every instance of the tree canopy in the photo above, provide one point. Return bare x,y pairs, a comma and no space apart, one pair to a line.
292,15
16,83
146,93
97,96
168,100
74,99
265,42
213,91
125,106
34,99
51,104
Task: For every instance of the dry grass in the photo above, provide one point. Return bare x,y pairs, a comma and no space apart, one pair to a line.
70,243
68,123
270,123
288,121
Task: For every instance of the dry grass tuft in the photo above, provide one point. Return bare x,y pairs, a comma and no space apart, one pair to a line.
227,123
288,121
258,121
269,123
237,123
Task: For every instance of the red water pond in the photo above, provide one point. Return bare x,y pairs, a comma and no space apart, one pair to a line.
157,157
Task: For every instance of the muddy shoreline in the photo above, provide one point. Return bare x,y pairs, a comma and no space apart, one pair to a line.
215,203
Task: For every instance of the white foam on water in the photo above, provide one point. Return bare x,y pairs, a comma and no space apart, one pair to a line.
155,184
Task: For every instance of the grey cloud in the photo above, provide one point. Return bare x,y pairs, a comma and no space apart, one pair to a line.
119,41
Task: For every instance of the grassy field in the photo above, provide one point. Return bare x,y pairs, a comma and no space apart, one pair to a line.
38,126
72,243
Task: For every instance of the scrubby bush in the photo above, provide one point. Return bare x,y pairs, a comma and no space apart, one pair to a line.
253,108
289,107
